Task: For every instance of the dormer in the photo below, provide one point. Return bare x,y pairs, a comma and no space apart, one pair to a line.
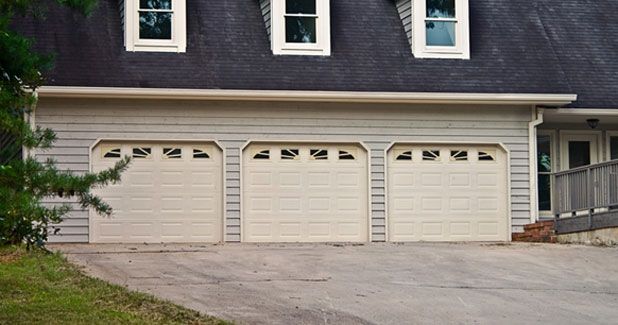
437,28
154,25
298,27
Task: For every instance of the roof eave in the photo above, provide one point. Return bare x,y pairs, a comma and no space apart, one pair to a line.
555,100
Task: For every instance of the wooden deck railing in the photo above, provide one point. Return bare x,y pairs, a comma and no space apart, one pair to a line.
586,198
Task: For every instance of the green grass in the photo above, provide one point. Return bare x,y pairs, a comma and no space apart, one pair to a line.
37,287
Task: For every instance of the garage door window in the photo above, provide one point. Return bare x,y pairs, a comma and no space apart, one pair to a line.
459,155
261,154
142,153
487,156
172,153
431,155
346,155
111,152
319,154
200,154
403,155
290,154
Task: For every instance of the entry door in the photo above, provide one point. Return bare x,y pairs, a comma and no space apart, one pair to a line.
579,150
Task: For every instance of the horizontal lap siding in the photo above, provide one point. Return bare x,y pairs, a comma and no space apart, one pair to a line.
79,123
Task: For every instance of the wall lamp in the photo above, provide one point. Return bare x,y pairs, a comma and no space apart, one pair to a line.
593,122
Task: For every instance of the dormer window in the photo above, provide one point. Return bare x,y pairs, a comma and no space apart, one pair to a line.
155,25
441,29
300,27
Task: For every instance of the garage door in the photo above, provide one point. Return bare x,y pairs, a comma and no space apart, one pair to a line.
172,192
447,193
305,193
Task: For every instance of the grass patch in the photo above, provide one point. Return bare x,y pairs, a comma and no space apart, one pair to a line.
37,287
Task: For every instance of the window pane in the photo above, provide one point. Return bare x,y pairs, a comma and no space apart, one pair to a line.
579,154
440,33
613,142
155,4
544,192
544,153
155,25
300,30
440,8
300,7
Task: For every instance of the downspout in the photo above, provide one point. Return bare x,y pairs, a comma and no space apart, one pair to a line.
537,115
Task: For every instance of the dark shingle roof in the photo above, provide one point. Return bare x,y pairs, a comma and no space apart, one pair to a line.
228,48
584,35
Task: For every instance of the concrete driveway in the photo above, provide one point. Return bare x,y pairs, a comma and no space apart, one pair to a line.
370,284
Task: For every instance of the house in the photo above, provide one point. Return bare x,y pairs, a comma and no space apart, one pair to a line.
328,120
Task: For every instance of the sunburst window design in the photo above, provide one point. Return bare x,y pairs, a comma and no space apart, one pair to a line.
346,155
459,155
172,153
111,153
404,156
319,154
200,154
142,153
262,154
431,155
487,156
290,154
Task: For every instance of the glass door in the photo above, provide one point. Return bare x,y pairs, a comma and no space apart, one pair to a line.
579,150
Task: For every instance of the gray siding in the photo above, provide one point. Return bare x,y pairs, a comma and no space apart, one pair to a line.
78,123
404,7
265,7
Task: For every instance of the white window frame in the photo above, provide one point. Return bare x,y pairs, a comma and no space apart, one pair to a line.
279,45
608,138
178,43
545,214
461,50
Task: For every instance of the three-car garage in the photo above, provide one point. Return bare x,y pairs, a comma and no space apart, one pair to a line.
304,192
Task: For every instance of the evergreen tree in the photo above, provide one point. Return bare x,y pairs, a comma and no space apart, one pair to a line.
24,183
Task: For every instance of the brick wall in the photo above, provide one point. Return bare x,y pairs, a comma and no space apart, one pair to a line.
540,232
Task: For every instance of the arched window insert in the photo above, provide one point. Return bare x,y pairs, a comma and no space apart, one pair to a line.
172,153
111,152
290,154
263,154
431,155
404,156
318,154
142,153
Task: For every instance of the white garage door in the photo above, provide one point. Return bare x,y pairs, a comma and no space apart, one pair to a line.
305,193
172,192
447,193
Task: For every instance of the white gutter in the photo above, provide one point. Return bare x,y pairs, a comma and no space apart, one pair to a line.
582,111
305,96
537,114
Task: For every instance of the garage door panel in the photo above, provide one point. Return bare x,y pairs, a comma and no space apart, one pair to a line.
457,196
314,196
172,194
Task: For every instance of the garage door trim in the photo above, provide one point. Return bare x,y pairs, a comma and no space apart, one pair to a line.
455,143
305,141
162,140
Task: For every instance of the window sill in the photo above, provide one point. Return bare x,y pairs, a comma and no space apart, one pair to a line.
169,48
